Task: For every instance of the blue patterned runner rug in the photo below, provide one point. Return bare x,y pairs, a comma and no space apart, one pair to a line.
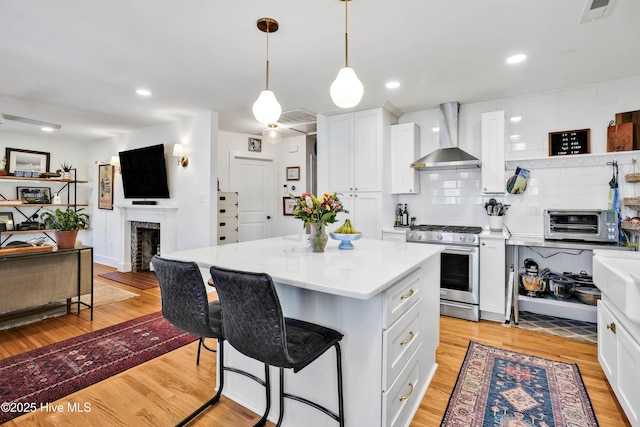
32,379
502,388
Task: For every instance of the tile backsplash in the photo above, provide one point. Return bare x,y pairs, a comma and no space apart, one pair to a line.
568,182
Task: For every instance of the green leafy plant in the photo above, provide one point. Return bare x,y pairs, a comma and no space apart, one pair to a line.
68,220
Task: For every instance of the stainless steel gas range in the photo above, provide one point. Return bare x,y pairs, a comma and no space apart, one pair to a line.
459,266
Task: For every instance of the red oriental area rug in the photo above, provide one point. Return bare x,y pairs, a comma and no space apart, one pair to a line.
499,387
47,374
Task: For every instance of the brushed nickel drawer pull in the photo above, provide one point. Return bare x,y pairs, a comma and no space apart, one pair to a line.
408,340
612,326
408,295
406,396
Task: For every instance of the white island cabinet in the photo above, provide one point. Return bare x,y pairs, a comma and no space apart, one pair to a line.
383,296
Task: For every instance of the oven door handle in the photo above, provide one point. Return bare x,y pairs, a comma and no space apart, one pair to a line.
463,251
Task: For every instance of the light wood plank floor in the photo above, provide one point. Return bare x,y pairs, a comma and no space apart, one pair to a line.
164,390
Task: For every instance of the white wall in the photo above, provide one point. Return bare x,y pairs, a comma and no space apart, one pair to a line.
578,181
192,188
289,152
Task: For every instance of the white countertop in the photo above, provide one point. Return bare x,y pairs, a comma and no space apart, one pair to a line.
363,272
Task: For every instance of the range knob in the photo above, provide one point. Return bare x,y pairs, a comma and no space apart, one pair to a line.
463,238
439,237
472,239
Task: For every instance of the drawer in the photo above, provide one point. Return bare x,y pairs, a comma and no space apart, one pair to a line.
399,298
399,343
227,223
403,396
227,198
227,211
228,237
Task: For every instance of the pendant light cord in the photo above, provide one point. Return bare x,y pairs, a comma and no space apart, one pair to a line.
346,33
267,79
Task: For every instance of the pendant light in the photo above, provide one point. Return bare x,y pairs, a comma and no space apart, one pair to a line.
346,90
266,108
272,134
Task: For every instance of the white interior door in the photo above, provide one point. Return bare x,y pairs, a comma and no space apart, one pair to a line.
252,179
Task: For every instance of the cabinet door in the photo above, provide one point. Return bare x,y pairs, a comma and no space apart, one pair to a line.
367,208
340,131
368,150
629,375
493,283
493,181
405,141
607,344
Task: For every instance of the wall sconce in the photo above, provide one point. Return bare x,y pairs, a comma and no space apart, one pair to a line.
178,151
115,162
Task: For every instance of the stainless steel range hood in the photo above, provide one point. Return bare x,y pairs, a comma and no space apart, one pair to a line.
448,156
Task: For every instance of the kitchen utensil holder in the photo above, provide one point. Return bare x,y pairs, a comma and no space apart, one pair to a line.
496,222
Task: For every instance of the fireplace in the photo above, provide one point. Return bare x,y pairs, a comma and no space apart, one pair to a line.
157,224
145,243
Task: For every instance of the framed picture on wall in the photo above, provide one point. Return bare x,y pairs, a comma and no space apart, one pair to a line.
105,193
255,145
293,173
287,205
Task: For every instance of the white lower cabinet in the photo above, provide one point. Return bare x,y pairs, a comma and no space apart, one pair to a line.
493,280
402,340
619,356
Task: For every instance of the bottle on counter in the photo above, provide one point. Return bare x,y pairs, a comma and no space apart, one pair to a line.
399,215
405,216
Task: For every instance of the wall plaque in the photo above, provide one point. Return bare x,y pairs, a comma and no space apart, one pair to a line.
569,142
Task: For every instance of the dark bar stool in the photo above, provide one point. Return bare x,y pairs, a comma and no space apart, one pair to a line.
185,305
255,326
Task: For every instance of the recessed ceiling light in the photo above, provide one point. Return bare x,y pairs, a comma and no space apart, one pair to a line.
47,129
514,137
516,118
435,129
143,92
392,85
516,58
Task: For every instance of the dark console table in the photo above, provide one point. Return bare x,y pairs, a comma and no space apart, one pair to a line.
38,278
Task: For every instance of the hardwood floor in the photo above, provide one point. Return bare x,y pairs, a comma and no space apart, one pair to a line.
164,390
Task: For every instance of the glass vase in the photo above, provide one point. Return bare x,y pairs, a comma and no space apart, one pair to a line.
318,237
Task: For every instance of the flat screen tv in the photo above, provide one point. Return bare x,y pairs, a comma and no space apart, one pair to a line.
144,173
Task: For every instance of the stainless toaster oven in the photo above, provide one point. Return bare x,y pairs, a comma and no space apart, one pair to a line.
586,225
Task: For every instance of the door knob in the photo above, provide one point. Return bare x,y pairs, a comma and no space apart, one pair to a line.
268,216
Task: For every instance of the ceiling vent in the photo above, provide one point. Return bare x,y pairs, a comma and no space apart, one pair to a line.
596,9
299,120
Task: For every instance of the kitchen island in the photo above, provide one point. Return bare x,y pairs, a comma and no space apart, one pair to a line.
383,296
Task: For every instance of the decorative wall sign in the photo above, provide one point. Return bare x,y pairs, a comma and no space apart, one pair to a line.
569,142
255,145
293,173
27,161
105,193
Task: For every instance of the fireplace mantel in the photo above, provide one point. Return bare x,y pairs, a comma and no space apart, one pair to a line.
165,215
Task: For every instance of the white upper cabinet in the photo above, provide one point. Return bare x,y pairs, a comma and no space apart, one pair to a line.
355,151
493,167
405,148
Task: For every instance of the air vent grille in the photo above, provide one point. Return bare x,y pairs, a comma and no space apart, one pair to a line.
596,9
296,117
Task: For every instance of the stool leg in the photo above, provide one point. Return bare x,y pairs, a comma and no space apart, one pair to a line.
281,397
340,394
267,386
200,342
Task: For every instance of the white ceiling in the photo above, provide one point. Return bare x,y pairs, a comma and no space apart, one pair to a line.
78,62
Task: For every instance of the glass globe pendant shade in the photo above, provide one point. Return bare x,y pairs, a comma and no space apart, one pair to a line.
272,134
346,90
266,109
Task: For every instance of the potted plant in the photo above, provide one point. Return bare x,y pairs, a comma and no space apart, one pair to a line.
65,225
66,170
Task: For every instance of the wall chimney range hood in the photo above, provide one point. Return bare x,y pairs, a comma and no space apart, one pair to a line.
448,156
